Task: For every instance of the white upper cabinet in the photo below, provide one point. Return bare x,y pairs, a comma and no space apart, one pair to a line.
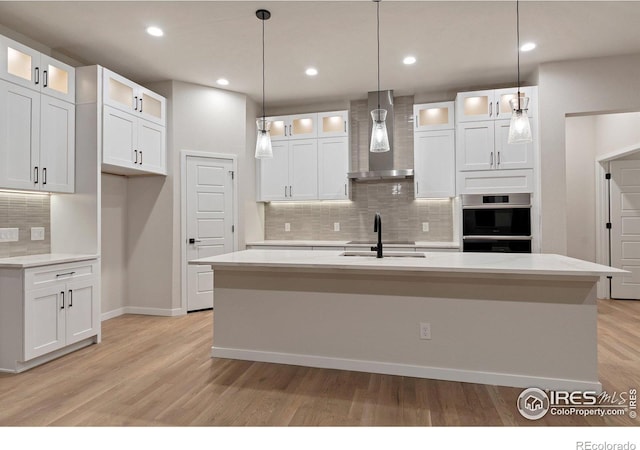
491,104
333,124
433,116
274,173
29,68
37,140
512,156
300,126
333,166
130,97
434,164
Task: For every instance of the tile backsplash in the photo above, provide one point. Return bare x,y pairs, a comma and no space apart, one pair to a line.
24,211
402,215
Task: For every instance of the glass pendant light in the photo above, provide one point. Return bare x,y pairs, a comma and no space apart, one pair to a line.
263,141
379,135
519,128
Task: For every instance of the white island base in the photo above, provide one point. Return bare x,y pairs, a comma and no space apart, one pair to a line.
525,326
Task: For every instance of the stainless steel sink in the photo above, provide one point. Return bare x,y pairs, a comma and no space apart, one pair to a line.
386,254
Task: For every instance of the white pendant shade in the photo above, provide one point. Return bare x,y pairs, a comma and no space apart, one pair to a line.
263,142
379,135
519,128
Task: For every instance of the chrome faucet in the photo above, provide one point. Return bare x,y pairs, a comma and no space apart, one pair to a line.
377,228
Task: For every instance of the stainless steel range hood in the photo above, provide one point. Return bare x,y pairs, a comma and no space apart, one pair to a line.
381,165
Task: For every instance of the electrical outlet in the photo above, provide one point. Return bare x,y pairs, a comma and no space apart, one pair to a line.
425,330
287,226
37,233
336,226
425,227
8,234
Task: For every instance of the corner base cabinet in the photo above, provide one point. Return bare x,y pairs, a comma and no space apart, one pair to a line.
47,312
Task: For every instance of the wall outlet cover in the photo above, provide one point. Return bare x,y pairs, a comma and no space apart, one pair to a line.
425,330
287,226
336,226
425,227
9,234
37,233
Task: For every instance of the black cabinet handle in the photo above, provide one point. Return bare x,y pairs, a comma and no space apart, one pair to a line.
70,298
140,104
136,152
35,175
66,274
140,157
135,108
62,294
37,75
45,78
44,176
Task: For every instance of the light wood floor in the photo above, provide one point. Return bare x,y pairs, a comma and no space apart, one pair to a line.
157,371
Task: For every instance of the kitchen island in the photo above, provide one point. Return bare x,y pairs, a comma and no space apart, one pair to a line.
503,319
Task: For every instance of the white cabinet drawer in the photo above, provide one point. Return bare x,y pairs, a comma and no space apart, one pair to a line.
40,277
495,182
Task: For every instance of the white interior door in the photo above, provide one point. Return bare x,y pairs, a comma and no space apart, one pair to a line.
625,228
210,224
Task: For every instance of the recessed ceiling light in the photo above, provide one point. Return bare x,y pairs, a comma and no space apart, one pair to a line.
408,60
155,31
222,82
311,71
527,47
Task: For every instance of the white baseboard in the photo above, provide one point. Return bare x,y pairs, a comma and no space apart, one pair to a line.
142,310
437,373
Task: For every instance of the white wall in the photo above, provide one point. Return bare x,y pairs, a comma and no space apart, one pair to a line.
616,131
114,242
610,84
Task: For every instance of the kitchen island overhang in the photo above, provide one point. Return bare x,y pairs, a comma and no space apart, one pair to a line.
500,319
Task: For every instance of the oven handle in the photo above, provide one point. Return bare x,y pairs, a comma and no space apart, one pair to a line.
496,206
497,238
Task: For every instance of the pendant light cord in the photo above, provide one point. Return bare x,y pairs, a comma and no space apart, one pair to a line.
263,114
378,35
518,46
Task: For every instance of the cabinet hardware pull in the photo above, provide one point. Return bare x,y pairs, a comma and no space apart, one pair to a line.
45,78
70,298
290,133
345,190
140,157
498,158
285,191
136,152
497,109
135,108
490,109
416,122
140,104
65,274
62,293
35,174
290,192
37,71
491,159
44,176
345,126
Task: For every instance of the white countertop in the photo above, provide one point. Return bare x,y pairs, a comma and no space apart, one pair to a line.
23,262
447,262
311,243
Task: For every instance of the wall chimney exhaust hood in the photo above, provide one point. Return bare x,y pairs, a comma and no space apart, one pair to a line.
381,164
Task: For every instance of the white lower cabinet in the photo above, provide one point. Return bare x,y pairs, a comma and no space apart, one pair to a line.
59,307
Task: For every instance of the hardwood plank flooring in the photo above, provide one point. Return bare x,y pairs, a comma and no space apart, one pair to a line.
156,371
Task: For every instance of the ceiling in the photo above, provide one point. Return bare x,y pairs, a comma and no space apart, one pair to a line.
458,45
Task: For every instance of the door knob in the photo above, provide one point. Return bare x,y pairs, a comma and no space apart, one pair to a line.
193,240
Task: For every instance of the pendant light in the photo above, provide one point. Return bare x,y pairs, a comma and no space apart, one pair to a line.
519,128
263,142
379,135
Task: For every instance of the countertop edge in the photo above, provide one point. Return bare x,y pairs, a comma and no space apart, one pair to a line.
25,262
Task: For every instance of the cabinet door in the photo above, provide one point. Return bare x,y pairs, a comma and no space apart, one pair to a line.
279,127
58,79
473,106
475,141
433,116
19,137
434,164
44,321
502,98
274,173
303,126
151,106
303,169
20,64
333,166
118,135
57,144
333,124
512,156
82,309
119,92
151,147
